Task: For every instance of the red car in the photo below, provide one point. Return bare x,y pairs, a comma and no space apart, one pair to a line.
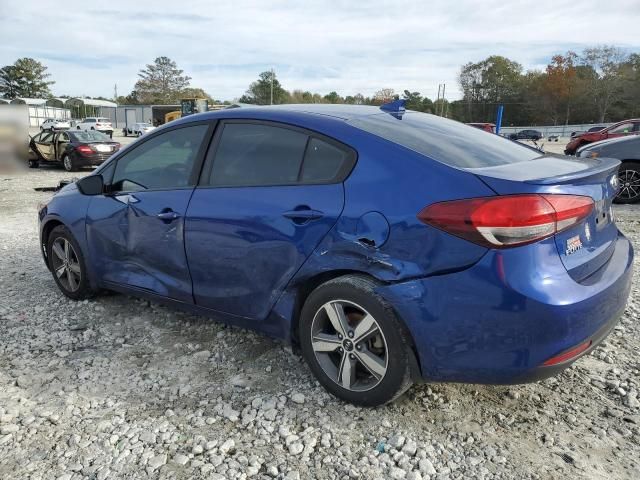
487,127
620,129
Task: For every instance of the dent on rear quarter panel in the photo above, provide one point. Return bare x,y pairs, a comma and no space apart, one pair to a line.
395,184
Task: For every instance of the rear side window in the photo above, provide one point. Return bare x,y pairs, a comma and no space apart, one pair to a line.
446,141
255,154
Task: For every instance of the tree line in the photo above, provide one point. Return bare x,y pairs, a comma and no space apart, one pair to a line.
600,84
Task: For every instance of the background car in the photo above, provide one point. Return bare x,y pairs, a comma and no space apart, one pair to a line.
138,129
526,135
55,124
72,148
386,250
627,150
595,128
100,124
620,129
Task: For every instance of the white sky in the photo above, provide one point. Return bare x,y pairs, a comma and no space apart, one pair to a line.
346,46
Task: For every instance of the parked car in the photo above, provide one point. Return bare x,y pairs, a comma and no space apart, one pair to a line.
73,149
526,135
487,127
627,150
55,124
387,251
620,129
596,128
137,129
101,124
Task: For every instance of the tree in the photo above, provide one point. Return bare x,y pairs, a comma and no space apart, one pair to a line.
384,95
25,78
605,61
161,82
195,93
9,82
259,92
413,100
559,86
333,97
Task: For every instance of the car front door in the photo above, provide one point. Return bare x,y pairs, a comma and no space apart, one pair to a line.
267,196
43,145
135,231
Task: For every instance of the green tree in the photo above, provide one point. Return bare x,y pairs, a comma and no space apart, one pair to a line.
260,91
25,78
607,83
413,100
333,97
161,82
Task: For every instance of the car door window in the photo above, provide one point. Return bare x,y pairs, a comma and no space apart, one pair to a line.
624,128
162,162
45,137
256,154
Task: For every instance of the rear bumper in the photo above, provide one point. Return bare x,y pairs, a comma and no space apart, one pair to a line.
500,320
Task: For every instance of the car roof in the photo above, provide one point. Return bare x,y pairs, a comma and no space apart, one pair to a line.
341,111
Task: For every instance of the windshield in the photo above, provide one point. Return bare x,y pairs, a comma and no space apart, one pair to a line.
446,141
89,136
143,125
103,120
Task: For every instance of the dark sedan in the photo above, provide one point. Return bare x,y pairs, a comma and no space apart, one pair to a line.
526,135
627,150
73,149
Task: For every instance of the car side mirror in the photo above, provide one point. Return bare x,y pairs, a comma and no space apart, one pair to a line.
91,185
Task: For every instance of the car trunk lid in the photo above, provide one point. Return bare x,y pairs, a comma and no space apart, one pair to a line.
585,247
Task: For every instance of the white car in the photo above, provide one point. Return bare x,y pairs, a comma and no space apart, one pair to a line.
101,124
137,129
54,124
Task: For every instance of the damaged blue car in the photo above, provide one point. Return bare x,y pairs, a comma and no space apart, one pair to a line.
389,246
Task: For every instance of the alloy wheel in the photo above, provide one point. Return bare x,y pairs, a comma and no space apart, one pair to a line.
66,264
68,166
629,184
349,345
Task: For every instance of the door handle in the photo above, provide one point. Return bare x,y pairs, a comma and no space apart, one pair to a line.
168,215
303,215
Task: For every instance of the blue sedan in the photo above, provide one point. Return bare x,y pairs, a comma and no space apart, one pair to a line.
389,246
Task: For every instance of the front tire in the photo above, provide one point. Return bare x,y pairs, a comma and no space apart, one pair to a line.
629,180
67,264
354,343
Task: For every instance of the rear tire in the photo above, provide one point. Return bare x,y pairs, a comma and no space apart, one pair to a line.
67,264
33,163
629,180
68,164
368,363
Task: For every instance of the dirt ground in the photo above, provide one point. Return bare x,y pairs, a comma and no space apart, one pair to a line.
117,387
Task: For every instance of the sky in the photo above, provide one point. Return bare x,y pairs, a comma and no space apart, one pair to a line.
347,46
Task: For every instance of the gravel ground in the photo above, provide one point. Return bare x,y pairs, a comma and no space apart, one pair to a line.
121,388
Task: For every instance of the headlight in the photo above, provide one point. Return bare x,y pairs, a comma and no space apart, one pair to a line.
592,154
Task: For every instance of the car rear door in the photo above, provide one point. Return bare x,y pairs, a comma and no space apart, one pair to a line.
268,195
135,230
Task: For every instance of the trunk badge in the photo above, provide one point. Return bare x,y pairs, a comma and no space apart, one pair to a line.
587,232
573,245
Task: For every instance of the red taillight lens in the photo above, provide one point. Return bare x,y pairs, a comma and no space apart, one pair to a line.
84,150
508,221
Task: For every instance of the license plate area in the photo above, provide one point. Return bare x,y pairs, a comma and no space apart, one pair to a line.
104,148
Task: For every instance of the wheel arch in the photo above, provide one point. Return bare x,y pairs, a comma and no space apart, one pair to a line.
44,237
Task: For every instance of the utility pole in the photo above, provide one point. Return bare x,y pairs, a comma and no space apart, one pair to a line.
272,74
444,86
436,104
115,92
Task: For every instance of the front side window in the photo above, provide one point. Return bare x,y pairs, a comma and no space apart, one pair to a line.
255,154
162,162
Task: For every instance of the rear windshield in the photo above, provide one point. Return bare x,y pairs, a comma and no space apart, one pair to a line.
103,120
88,136
446,141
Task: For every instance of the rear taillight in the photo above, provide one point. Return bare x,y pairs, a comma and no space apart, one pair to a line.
569,354
84,150
510,220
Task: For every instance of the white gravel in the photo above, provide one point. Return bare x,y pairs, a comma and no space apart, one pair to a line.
120,388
